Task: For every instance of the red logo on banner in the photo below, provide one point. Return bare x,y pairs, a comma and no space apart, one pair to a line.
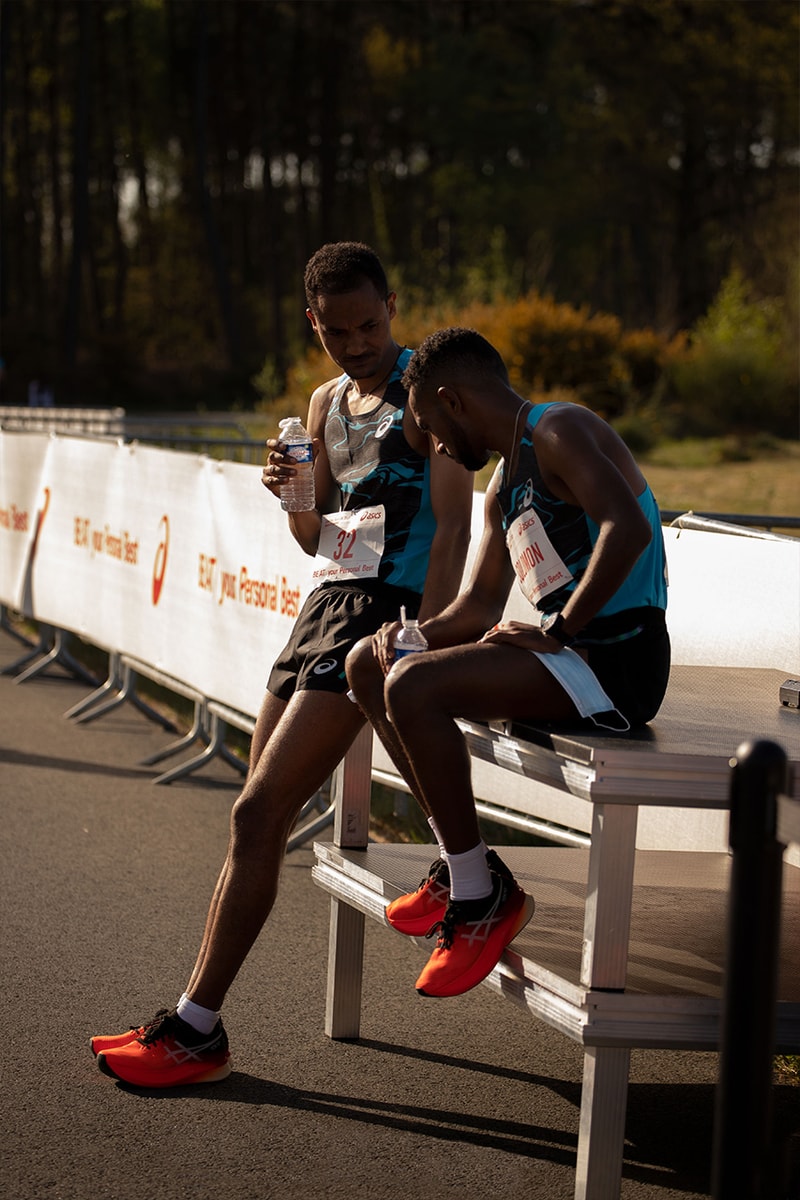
40,516
160,564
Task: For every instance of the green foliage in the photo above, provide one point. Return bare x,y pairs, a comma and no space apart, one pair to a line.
548,345
787,1069
164,190
731,380
638,431
268,382
737,375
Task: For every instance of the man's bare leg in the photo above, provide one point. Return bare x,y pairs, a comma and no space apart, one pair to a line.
368,683
424,695
301,746
270,713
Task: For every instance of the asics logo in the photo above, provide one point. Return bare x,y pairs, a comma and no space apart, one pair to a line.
384,425
180,1054
327,664
527,499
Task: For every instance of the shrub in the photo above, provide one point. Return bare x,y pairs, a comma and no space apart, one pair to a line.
638,431
548,345
731,376
737,376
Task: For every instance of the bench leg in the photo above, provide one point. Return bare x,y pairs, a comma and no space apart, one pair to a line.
601,1139
352,789
607,916
345,966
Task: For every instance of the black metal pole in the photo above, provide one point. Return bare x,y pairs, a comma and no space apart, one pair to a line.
743,1162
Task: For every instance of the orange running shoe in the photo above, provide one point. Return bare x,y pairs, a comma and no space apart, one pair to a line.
113,1041
170,1054
472,936
415,913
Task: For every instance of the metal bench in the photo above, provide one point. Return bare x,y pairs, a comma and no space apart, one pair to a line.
626,948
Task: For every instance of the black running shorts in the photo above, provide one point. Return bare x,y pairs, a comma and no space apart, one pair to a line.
334,617
630,655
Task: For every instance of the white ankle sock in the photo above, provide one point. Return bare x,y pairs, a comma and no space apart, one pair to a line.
438,836
201,1019
469,874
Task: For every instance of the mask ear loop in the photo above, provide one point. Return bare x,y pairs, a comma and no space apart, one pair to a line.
583,688
623,726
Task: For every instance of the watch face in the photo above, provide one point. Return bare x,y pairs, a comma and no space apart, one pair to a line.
547,621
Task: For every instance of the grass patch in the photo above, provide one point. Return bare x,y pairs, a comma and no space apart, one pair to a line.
699,476
720,475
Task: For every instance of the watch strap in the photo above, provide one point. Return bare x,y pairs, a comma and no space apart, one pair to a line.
555,629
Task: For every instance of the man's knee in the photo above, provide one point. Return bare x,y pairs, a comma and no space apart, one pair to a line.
360,665
258,817
401,689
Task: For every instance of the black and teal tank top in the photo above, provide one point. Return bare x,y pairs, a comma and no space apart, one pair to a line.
572,534
372,463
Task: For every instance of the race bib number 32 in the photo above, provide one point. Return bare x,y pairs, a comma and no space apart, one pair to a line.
537,565
351,544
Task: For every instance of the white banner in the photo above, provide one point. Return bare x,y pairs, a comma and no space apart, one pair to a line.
24,500
182,561
188,564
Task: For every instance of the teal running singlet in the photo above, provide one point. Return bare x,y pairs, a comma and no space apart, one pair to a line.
550,541
372,464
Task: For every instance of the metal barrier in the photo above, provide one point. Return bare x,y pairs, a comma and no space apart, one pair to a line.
86,422
743,524
245,450
216,434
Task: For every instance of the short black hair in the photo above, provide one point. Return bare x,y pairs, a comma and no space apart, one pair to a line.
340,267
462,350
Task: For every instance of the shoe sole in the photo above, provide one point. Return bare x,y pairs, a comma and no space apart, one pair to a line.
213,1075
456,987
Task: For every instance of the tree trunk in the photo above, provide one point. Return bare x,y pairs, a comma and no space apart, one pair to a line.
218,264
80,185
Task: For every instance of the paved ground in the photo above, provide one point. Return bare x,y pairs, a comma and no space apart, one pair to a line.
104,886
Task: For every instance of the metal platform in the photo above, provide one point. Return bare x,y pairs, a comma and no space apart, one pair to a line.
626,949
673,987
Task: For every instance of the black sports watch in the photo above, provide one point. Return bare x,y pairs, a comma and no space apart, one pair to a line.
553,626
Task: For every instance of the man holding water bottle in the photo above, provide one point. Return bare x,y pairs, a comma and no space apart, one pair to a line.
402,515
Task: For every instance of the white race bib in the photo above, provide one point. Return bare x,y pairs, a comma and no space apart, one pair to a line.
537,565
351,544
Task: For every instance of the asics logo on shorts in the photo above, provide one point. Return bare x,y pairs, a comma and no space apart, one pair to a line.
327,664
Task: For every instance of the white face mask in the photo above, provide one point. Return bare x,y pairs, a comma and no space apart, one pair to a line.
583,688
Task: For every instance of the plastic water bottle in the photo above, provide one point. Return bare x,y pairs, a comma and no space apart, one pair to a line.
410,639
297,494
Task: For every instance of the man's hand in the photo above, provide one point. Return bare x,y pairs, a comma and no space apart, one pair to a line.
280,467
383,644
526,637
277,468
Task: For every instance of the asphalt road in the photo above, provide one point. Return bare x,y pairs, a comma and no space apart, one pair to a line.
105,882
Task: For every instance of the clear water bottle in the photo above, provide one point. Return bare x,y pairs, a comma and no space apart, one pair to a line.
297,494
410,639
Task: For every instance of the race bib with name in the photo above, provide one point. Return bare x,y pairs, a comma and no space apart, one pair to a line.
537,565
351,544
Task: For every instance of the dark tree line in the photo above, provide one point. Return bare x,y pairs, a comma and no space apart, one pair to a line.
169,165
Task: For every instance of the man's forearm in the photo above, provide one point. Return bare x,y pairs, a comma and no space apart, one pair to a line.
609,566
305,529
445,571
